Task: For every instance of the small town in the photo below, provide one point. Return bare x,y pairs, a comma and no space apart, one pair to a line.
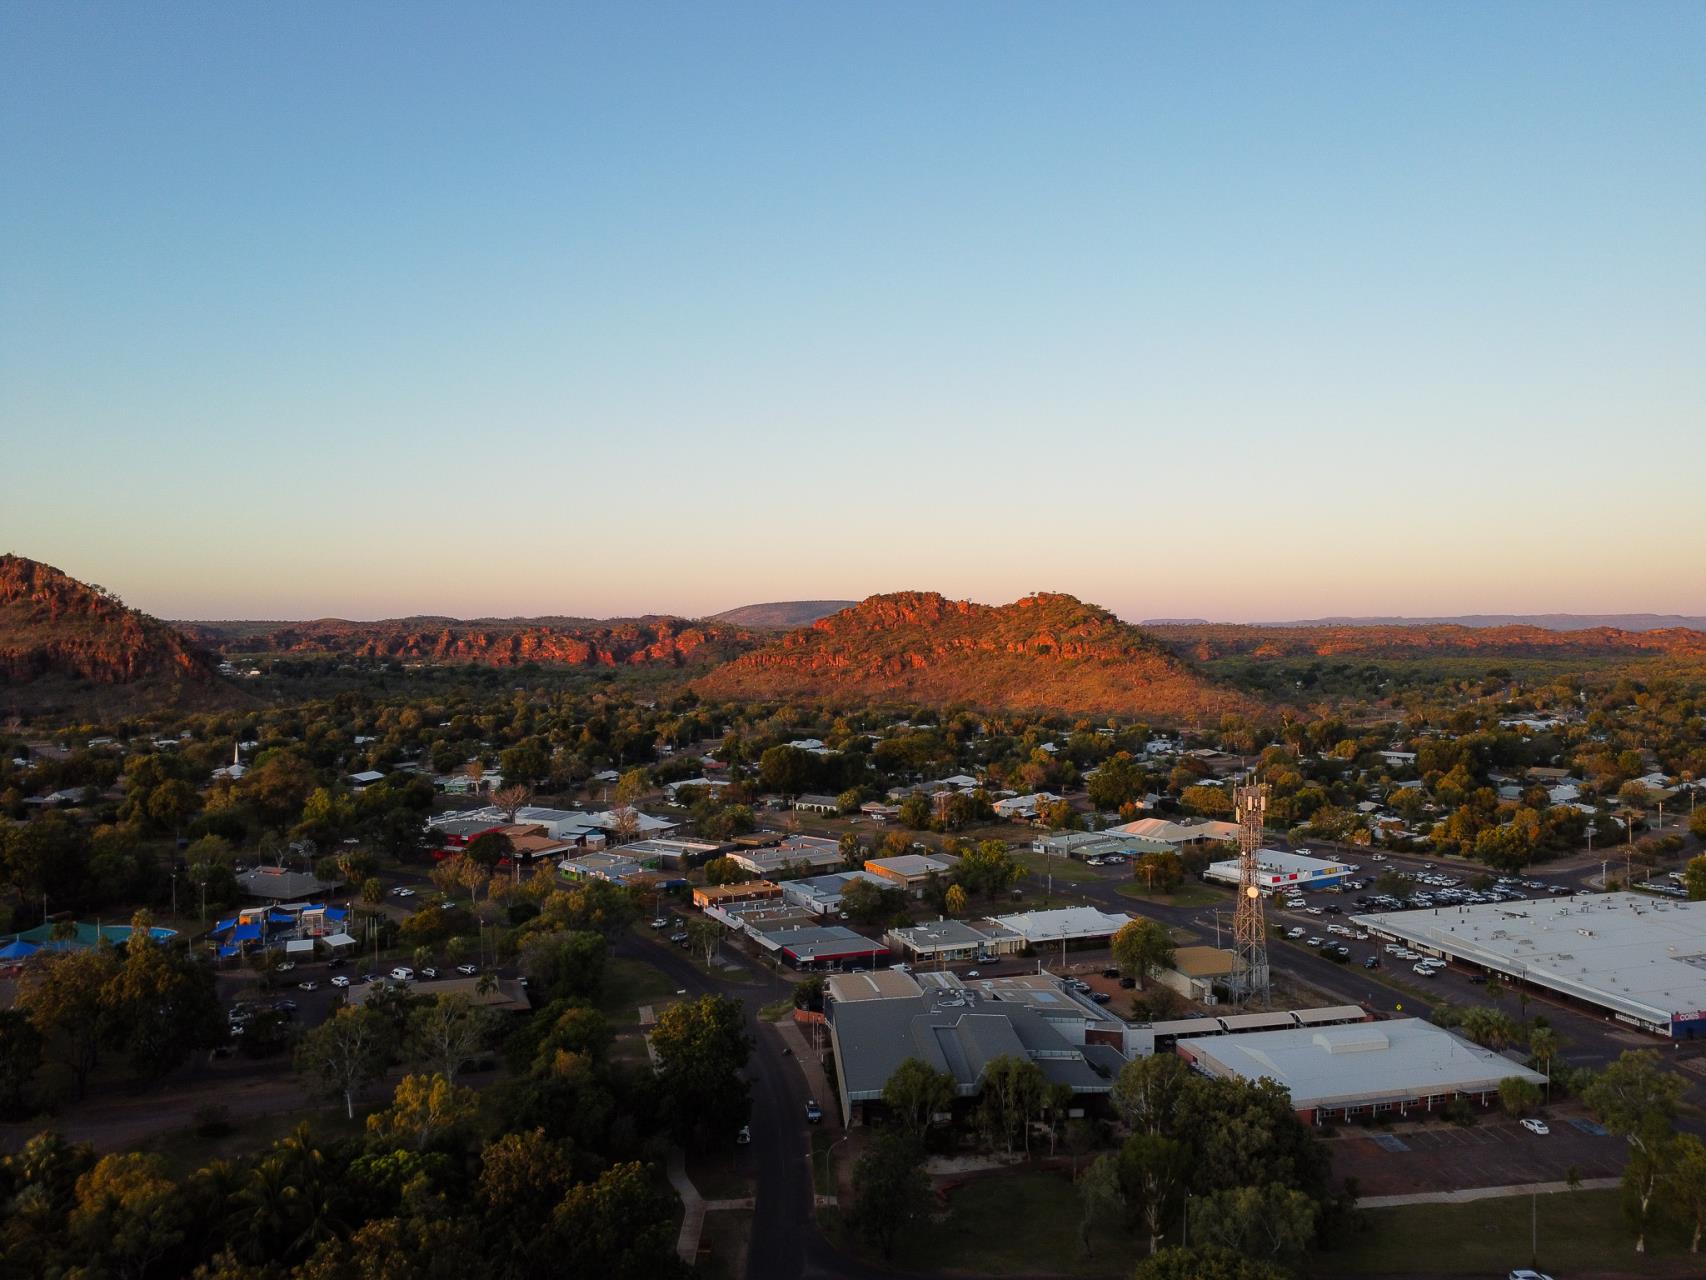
890,642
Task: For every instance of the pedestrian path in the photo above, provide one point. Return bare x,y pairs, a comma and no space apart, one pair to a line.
1465,1195
694,1207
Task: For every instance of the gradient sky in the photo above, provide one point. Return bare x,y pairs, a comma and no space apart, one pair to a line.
1229,310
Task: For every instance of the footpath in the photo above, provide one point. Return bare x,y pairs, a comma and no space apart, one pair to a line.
1466,1194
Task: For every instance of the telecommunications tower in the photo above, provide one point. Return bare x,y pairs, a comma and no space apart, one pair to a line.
1249,929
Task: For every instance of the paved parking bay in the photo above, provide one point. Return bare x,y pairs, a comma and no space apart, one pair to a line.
1494,1152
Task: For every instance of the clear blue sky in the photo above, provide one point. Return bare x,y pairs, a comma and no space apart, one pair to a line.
1237,310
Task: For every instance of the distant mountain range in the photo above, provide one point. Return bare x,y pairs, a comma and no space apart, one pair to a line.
783,615
66,645
1549,621
1044,652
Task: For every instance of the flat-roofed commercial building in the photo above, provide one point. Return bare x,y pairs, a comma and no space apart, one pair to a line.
823,947
716,895
1640,959
1364,1068
1063,925
1277,870
911,871
951,941
821,895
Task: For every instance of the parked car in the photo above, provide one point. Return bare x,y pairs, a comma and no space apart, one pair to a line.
1373,962
340,981
310,985
468,969
1536,1126
1128,983
1100,997
429,973
285,966
402,973
814,1113
662,922
1110,973
1523,1273
744,1136
973,973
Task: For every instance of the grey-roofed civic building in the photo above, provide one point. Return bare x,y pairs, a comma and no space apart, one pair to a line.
1360,1068
959,1030
1641,959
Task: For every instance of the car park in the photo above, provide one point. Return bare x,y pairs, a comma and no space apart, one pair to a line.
1536,1126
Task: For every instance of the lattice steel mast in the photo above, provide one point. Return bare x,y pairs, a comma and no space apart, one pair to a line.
1249,928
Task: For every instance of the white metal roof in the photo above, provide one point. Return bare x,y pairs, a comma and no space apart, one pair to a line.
1636,955
1360,1063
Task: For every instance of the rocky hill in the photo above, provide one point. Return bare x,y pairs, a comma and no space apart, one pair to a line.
60,637
781,615
1045,652
501,642
1208,641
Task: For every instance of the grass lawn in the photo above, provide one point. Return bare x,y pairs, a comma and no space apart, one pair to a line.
628,984
1579,1231
1066,870
1189,895
185,1150
978,1237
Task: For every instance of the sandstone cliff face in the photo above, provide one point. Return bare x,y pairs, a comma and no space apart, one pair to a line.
652,642
53,625
1042,652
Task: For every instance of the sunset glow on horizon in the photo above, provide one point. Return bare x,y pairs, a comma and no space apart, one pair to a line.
1251,313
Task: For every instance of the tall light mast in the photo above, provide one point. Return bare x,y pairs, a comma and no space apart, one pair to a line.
1249,928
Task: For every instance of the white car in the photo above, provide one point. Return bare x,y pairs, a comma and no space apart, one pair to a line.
402,973
1523,1273
340,981
1295,932
405,893
310,985
1425,970
285,966
1315,911
1317,942
469,969
1536,1126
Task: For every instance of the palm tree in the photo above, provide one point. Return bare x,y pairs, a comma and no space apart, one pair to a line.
1543,1047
